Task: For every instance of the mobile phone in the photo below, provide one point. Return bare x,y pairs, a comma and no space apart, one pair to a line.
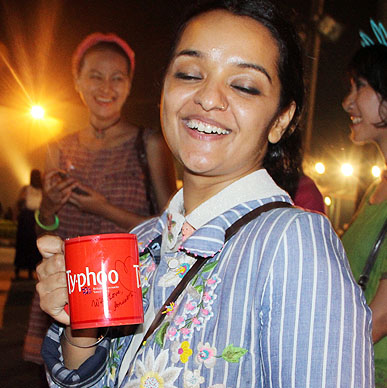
62,174
79,191
76,190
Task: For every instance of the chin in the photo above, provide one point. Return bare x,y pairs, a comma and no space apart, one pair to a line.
357,140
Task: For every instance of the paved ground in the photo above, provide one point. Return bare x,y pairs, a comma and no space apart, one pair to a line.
15,300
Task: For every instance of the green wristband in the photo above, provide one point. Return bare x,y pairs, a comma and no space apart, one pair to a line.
54,226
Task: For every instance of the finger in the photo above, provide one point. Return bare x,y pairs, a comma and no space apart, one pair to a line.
49,245
53,300
48,267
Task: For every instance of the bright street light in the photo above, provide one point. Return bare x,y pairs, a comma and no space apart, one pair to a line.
347,169
376,171
328,200
37,112
319,167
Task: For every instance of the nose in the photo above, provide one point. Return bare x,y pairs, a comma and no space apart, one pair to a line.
211,96
105,85
348,101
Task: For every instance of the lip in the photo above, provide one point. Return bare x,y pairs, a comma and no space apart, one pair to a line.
206,121
104,101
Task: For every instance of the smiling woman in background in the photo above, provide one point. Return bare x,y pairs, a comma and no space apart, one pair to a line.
265,310
111,175
366,103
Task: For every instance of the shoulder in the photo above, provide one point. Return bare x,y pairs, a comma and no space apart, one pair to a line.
65,141
291,228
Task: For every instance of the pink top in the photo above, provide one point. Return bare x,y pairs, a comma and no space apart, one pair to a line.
308,195
115,173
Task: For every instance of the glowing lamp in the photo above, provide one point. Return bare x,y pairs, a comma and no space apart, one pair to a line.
319,167
347,169
328,200
376,171
37,112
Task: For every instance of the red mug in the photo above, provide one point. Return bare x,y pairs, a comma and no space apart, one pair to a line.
103,280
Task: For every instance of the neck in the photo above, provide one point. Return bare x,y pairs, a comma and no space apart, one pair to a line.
198,189
100,130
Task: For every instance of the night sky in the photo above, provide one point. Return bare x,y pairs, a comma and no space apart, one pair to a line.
41,35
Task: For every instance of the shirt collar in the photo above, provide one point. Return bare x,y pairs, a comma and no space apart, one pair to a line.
254,186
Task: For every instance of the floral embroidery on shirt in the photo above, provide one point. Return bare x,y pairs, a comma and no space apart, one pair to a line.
206,355
152,373
181,352
170,224
197,307
173,276
148,267
232,353
193,379
169,309
114,359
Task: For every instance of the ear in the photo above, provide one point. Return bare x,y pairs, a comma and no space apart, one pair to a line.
281,123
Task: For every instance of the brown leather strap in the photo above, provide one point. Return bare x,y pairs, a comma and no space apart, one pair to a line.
251,215
174,295
201,261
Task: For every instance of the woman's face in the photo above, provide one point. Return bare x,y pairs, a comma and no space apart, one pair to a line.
104,83
221,95
362,103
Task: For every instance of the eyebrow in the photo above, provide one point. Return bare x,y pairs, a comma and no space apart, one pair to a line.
243,65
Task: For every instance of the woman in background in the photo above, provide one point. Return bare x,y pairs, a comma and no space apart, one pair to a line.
111,175
366,104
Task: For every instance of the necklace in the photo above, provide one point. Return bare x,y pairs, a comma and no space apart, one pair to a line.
99,133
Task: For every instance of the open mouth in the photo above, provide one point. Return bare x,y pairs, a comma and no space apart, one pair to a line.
103,100
356,120
206,128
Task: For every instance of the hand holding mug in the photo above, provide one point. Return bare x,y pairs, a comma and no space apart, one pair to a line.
52,286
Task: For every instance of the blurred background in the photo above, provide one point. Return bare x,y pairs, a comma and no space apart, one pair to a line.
37,38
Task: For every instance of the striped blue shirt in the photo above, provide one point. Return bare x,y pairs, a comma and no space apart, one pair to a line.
275,306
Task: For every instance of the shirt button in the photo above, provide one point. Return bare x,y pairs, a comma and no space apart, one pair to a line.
173,263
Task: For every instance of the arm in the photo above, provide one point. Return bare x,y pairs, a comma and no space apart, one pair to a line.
56,191
161,168
318,326
379,312
96,203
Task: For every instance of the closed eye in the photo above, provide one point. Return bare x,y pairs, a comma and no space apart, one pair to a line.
251,91
187,77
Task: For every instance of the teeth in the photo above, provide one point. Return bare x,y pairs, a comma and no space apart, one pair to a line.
100,99
356,120
206,128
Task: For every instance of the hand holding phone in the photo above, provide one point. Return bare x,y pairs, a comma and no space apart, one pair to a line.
76,190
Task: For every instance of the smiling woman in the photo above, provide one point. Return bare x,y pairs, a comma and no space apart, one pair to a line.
366,103
111,175
239,288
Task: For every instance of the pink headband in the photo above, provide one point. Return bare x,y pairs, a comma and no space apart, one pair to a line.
95,38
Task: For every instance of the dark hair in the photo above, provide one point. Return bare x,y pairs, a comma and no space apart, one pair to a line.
36,179
370,63
283,159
